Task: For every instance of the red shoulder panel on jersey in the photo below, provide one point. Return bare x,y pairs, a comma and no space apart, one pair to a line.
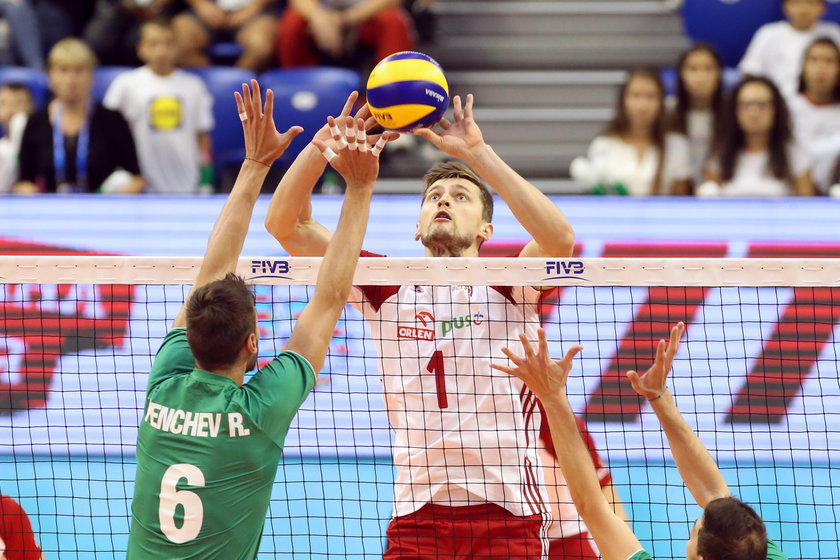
376,295
545,435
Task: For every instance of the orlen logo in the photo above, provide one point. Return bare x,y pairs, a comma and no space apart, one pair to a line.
270,269
426,332
563,270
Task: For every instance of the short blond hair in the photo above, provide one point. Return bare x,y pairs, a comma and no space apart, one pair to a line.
71,52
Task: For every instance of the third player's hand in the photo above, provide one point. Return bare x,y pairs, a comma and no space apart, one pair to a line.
652,384
263,143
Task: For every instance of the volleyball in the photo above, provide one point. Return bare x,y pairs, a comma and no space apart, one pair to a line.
407,90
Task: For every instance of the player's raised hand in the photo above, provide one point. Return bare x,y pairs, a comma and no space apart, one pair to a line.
350,152
333,136
263,143
651,384
461,138
543,375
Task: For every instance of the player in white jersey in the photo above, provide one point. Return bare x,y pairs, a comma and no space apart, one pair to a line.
469,479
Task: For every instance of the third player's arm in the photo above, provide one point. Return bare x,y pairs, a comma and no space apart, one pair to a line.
699,471
552,233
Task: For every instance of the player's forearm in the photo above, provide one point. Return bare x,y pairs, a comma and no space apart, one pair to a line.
699,471
228,235
537,214
363,11
290,205
336,275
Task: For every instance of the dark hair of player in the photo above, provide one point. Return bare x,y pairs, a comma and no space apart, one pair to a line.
731,140
456,170
731,530
620,125
220,316
678,119
825,42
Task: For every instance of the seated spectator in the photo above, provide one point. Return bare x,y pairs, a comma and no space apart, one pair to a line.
25,46
17,541
251,23
776,49
635,155
815,110
313,32
755,154
76,145
698,107
59,19
170,114
15,107
114,30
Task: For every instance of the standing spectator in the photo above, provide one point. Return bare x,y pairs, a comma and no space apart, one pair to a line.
755,154
114,30
335,28
635,155
697,110
816,110
17,541
776,49
76,145
170,114
15,107
251,23
23,35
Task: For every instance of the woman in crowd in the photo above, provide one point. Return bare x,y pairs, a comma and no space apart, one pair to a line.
816,110
754,154
635,155
76,145
698,107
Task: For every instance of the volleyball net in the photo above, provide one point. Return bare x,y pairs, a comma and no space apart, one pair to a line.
756,376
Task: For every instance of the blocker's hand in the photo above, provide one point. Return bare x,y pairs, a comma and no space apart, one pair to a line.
652,383
461,139
350,152
263,143
543,375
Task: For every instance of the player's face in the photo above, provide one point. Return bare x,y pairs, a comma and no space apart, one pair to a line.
701,75
821,69
803,14
642,102
451,222
158,49
755,110
71,83
691,546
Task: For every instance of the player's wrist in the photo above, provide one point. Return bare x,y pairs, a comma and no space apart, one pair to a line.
657,396
481,155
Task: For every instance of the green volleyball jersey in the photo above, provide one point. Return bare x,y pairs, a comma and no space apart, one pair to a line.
207,455
773,553
641,555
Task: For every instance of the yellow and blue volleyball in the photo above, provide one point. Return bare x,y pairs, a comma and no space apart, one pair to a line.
407,90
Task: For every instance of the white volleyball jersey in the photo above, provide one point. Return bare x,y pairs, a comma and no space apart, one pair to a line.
465,434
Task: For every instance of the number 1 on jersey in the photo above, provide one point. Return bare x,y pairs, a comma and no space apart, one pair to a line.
435,366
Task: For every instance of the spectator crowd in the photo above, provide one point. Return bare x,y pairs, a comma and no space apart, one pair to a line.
773,131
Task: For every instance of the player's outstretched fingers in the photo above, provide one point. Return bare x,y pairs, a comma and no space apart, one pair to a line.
458,112
257,101
247,102
361,135
336,134
240,107
444,123
351,101
383,140
350,133
326,151
468,109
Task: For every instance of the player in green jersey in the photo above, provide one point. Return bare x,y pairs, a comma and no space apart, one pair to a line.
728,528
209,445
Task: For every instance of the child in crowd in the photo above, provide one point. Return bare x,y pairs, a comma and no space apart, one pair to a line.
754,154
635,154
776,50
170,114
816,110
698,107
15,107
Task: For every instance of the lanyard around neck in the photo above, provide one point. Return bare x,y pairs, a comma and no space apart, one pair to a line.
60,150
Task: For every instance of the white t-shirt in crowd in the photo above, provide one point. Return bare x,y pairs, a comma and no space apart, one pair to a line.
165,114
777,49
753,177
817,129
619,162
9,150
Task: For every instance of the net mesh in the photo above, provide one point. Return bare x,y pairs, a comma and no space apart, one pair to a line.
757,376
